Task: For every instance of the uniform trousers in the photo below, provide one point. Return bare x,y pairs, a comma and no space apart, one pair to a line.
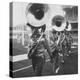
37,63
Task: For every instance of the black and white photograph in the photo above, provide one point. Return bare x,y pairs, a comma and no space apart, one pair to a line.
43,39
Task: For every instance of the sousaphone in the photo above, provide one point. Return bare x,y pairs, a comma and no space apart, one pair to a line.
60,24
36,14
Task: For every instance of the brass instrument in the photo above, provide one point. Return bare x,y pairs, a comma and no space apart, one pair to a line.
33,48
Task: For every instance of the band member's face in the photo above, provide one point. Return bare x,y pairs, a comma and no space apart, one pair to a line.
35,35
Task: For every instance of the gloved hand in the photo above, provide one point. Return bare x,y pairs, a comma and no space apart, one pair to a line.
51,59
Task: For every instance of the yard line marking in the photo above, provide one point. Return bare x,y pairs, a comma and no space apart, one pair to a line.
22,68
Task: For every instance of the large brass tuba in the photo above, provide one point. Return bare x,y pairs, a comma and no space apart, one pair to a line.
58,23
36,14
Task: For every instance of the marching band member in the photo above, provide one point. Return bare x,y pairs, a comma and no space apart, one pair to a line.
37,50
37,16
55,46
68,37
69,41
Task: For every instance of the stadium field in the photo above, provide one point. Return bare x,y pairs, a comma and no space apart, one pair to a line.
23,68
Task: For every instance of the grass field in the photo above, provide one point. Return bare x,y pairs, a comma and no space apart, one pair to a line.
24,68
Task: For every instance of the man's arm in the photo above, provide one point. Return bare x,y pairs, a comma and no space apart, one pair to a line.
45,43
63,38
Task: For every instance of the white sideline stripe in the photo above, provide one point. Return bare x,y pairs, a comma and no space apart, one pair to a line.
18,58
27,67
73,47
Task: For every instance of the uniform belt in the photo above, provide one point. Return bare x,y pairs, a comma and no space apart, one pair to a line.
39,55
